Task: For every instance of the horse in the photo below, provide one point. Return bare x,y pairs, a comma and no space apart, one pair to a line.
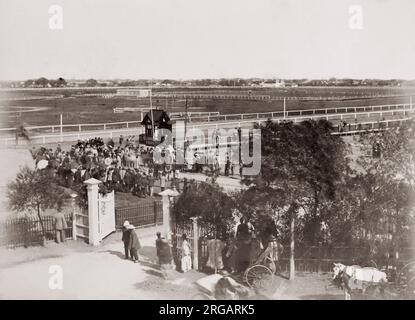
355,278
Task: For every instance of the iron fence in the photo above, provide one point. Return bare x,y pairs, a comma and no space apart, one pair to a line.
27,231
140,215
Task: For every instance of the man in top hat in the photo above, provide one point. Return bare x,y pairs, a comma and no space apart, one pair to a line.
133,243
126,238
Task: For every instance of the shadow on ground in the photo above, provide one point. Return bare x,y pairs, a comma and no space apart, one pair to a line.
115,253
17,263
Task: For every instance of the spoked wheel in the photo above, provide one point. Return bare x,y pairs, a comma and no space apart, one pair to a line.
406,280
259,277
410,289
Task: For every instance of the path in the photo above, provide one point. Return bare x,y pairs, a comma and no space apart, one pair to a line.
90,273
102,273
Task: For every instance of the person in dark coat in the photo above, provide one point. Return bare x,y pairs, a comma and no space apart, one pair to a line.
133,243
60,226
243,243
165,256
158,243
126,239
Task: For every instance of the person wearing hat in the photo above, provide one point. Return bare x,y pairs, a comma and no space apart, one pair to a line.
164,255
60,226
133,243
126,238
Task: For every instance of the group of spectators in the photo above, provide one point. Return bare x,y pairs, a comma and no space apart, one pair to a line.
122,168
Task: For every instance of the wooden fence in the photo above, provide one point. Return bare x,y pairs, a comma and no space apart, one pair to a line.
140,215
27,231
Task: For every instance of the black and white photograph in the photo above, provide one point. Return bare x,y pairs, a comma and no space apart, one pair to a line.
186,150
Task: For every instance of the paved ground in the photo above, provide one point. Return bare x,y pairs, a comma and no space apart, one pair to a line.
102,273
90,273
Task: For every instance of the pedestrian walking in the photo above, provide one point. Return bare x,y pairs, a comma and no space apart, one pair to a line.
133,243
126,238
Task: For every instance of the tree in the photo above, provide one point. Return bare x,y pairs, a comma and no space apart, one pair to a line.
42,82
302,165
209,203
33,191
91,83
58,83
386,183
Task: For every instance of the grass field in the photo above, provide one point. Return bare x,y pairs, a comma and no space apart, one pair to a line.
78,109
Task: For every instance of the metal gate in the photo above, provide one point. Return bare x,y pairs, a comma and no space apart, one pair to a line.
106,218
106,214
80,224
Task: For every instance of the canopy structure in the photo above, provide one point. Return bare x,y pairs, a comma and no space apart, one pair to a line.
157,119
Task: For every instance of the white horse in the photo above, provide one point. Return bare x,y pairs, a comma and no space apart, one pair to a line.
357,278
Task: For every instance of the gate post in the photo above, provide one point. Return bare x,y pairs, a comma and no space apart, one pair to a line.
73,196
93,214
195,244
167,221
166,216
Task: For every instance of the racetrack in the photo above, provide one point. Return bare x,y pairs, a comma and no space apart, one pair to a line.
79,109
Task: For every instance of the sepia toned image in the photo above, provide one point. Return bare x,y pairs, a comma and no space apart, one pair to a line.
207,150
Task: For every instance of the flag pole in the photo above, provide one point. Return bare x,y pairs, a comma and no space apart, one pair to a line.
284,108
151,112
61,128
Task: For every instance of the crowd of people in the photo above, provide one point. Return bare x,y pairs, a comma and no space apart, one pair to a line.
126,167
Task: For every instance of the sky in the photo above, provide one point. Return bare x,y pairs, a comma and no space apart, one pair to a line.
188,39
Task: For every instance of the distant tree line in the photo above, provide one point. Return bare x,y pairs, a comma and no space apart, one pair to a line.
223,82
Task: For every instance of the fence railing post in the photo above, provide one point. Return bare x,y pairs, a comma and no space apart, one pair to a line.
155,212
195,244
74,216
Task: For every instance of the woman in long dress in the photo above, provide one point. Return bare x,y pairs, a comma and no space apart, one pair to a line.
186,256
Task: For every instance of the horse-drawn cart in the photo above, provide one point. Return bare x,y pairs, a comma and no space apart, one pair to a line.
376,284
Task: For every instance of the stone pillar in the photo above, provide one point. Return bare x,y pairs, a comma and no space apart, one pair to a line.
166,217
195,244
166,196
93,211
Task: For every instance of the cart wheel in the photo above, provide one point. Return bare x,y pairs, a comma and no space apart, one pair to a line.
258,277
406,273
411,287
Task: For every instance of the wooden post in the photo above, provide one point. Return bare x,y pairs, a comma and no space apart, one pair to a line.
73,196
195,244
61,128
292,246
166,217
